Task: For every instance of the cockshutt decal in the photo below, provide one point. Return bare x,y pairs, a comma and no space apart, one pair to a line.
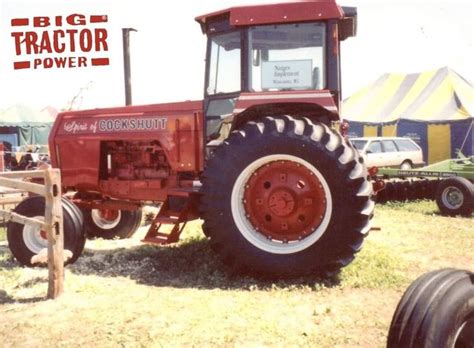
111,125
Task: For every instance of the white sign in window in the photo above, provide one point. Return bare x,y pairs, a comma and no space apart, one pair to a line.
287,74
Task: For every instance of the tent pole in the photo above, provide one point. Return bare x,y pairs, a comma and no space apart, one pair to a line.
465,138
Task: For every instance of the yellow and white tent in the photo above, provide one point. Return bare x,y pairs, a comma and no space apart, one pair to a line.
435,108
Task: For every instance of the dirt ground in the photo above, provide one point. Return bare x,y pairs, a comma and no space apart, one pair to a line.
124,293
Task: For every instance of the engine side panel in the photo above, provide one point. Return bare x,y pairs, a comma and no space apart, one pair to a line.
130,152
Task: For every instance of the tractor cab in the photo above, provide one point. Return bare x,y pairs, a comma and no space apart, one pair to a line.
268,57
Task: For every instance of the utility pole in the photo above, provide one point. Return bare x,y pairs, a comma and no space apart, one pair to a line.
126,64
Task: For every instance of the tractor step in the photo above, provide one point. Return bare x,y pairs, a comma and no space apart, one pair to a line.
167,220
176,219
172,213
159,239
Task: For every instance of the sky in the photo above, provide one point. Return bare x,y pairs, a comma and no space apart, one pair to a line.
168,50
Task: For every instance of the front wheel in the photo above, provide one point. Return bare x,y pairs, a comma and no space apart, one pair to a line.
26,241
455,196
286,197
111,223
437,310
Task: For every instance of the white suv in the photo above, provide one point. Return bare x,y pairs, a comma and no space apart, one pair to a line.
402,153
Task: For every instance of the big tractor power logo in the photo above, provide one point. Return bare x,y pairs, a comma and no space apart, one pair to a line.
73,41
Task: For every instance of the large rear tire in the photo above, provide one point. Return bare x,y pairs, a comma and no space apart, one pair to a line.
286,197
437,310
455,196
111,224
26,241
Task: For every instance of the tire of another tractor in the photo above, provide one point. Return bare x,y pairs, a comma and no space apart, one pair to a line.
455,196
286,197
26,241
111,224
437,310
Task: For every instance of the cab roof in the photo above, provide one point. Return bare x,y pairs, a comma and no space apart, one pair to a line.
281,12
295,11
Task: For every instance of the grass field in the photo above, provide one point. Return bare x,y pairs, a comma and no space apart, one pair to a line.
123,293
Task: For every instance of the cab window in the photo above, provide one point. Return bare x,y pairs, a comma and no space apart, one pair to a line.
224,67
287,57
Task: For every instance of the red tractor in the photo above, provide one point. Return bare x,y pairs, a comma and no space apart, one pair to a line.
259,159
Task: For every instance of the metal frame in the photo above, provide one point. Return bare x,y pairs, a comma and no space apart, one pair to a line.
462,167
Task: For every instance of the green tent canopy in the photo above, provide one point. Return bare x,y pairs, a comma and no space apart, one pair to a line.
32,126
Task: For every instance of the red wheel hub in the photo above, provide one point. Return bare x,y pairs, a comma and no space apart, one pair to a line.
284,201
281,202
108,214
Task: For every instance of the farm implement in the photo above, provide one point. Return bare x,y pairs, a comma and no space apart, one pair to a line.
449,182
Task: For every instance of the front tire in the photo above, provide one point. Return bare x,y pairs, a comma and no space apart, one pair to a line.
111,224
286,197
455,196
26,241
437,310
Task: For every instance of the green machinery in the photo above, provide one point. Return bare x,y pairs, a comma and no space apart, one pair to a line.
450,183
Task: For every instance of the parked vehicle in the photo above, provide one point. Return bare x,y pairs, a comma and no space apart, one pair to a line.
397,152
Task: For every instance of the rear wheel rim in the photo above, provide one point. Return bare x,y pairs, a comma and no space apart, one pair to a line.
452,197
281,204
106,219
34,237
